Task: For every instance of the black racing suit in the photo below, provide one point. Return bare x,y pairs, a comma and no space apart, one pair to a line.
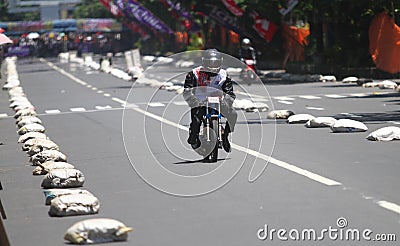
198,109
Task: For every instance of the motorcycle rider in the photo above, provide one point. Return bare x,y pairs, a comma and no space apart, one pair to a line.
247,52
204,81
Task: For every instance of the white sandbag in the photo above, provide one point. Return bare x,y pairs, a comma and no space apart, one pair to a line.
16,90
299,118
350,79
24,106
279,114
320,122
387,84
46,167
40,142
243,104
31,135
99,230
370,84
28,120
43,144
388,133
328,78
50,194
34,127
74,204
24,112
47,155
16,101
348,125
63,178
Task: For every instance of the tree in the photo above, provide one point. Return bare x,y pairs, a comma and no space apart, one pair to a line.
91,9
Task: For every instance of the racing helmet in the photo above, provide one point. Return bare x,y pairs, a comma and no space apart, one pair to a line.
212,60
246,43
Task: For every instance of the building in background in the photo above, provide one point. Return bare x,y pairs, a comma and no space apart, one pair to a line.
49,9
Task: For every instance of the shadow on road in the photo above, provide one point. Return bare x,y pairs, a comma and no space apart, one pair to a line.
199,161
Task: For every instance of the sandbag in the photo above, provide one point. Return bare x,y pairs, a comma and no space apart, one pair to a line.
99,230
25,112
50,194
28,120
43,144
347,125
47,155
320,122
351,79
39,142
74,204
387,84
388,133
31,128
299,118
63,178
31,135
46,167
279,114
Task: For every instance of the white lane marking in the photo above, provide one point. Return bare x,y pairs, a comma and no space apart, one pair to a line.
106,95
260,100
50,64
52,111
249,94
287,166
131,105
94,88
351,115
283,98
77,109
394,122
315,108
358,94
156,104
89,86
115,99
103,107
180,103
335,96
310,97
390,206
285,102
3,115
100,91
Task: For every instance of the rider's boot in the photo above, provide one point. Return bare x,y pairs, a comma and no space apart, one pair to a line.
194,140
225,142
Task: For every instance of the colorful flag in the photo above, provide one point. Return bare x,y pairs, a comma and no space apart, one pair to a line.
133,9
265,28
178,12
233,8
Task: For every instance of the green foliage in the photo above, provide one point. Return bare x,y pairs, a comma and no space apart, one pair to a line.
91,9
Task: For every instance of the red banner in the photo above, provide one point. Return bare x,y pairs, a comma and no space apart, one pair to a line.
233,8
265,28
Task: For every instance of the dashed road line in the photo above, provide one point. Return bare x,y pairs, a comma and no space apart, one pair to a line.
52,111
285,102
284,98
77,109
106,95
103,107
310,97
390,206
115,99
335,96
180,103
156,104
100,91
94,88
358,94
315,108
3,115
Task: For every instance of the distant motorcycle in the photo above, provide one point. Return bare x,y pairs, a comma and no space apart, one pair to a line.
248,74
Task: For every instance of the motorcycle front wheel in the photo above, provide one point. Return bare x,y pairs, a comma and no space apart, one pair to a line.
214,152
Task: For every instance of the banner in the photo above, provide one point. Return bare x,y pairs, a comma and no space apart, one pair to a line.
221,16
233,8
289,6
131,24
265,28
133,9
384,43
178,12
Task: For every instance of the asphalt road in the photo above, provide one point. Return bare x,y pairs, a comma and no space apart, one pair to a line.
315,178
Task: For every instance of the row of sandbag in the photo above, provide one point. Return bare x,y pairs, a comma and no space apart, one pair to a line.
342,125
60,176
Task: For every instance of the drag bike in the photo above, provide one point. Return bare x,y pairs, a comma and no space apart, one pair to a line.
248,74
211,134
